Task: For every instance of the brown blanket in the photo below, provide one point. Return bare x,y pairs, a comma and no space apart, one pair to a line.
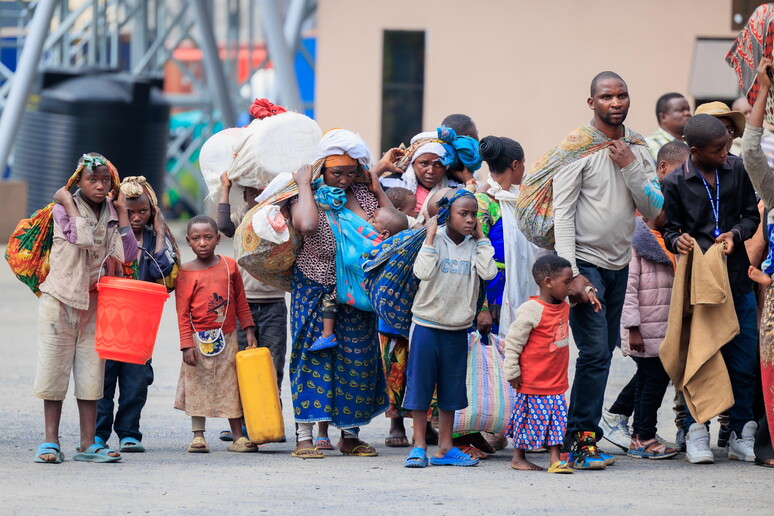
702,319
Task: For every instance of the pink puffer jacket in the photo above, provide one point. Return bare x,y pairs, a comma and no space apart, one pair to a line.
648,292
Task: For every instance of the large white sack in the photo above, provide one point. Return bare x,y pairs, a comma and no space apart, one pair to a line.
273,145
216,156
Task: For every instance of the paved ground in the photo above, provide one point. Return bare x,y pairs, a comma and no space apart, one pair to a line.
166,479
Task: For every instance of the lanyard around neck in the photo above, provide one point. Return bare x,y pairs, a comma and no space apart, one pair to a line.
715,203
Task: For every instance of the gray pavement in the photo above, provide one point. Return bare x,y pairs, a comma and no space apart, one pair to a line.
167,480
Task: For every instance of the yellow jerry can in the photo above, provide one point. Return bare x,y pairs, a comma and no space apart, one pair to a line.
260,396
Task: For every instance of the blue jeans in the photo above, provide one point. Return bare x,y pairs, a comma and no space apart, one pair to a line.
132,381
596,335
741,357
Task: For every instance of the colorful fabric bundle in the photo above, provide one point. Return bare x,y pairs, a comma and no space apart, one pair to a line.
354,237
30,244
389,278
268,261
490,397
754,42
535,204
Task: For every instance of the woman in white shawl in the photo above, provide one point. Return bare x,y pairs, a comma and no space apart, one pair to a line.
514,254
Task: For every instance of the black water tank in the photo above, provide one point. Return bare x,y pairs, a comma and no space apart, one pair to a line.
122,117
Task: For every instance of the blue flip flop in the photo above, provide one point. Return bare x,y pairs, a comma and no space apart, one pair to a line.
417,458
96,453
49,449
454,457
130,445
324,343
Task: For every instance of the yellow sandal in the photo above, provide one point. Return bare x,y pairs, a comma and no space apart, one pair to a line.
195,448
560,466
242,445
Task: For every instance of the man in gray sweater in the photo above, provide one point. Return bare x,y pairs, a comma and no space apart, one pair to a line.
595,198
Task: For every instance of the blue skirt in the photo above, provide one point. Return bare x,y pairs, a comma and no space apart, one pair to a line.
344,384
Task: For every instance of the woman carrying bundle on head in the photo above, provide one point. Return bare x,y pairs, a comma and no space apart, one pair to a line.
342,384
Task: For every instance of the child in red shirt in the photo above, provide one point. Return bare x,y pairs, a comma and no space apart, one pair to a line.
536,360
210,297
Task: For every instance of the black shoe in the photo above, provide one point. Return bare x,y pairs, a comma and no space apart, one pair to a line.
723,435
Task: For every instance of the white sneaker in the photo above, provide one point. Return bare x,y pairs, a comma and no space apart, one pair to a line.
697,447
615,428
742,448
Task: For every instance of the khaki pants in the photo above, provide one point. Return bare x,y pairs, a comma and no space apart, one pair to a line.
65,345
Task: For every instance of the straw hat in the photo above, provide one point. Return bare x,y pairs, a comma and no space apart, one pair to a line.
720,110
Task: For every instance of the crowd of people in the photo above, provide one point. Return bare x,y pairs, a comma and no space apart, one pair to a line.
635,222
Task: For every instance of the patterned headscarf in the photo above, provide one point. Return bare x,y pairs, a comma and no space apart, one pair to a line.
445,203
90,162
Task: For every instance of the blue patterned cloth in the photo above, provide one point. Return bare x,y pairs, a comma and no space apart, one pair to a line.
328,197
354,237
345,384
537,421
390,281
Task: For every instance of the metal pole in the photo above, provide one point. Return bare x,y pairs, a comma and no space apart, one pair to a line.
280,55
22,80
212,64
293,22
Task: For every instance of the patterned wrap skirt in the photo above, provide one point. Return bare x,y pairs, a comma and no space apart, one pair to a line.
537,421
344,384
395,356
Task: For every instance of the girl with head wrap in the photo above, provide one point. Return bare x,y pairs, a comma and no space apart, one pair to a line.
322,381
155,261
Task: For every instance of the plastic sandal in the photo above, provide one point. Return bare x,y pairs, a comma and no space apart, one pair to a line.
324,343
130,445
96,453
651,449
454,457
242,445
560,466
308,453
323,443
361,450
417,458
473,451
226,436
201,449
49,449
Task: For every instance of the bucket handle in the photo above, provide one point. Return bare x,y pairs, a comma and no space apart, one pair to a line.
102,265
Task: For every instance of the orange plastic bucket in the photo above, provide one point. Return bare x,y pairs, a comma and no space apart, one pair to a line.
128,317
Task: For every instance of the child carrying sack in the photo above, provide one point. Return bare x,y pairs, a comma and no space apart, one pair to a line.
535,204
490,396
30,244
389,278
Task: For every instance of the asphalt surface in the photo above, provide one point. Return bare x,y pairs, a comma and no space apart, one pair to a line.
167,480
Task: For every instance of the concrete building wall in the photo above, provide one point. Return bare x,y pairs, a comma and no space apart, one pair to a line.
520,68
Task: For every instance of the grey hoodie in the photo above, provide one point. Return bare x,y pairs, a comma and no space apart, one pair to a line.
449,275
